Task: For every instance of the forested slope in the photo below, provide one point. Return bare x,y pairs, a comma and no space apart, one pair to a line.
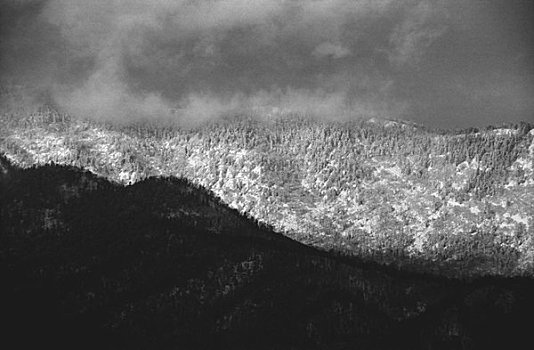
389,191
162,264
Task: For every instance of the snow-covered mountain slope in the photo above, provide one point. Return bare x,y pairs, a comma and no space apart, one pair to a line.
390,191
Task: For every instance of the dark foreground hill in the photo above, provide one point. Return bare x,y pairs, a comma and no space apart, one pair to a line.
162,264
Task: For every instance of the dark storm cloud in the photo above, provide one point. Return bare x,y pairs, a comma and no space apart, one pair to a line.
444,63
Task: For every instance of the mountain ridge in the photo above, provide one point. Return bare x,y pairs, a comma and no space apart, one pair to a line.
386,193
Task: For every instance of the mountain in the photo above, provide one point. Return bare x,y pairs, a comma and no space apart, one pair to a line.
86,263
387,191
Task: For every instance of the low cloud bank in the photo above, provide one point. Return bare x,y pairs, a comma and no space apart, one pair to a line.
197,60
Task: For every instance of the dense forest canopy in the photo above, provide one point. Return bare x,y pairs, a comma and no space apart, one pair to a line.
387,190
87,263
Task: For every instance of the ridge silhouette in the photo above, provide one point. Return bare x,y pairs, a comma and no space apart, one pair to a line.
163,264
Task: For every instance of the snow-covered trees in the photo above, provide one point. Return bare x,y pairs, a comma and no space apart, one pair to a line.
330,184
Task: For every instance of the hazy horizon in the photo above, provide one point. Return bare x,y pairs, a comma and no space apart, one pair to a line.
445,64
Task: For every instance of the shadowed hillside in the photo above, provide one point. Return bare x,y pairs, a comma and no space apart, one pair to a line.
162,264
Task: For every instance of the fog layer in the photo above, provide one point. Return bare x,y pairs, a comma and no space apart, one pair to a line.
454,63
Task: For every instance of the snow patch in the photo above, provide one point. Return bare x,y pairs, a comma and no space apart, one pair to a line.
504,132
475,210
520,219
453,203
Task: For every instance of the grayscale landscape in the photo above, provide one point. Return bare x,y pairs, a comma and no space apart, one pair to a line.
267,174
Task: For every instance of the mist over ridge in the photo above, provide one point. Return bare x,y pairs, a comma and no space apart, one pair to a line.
441,63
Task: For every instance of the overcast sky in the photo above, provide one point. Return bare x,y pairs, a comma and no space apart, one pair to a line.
453,63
